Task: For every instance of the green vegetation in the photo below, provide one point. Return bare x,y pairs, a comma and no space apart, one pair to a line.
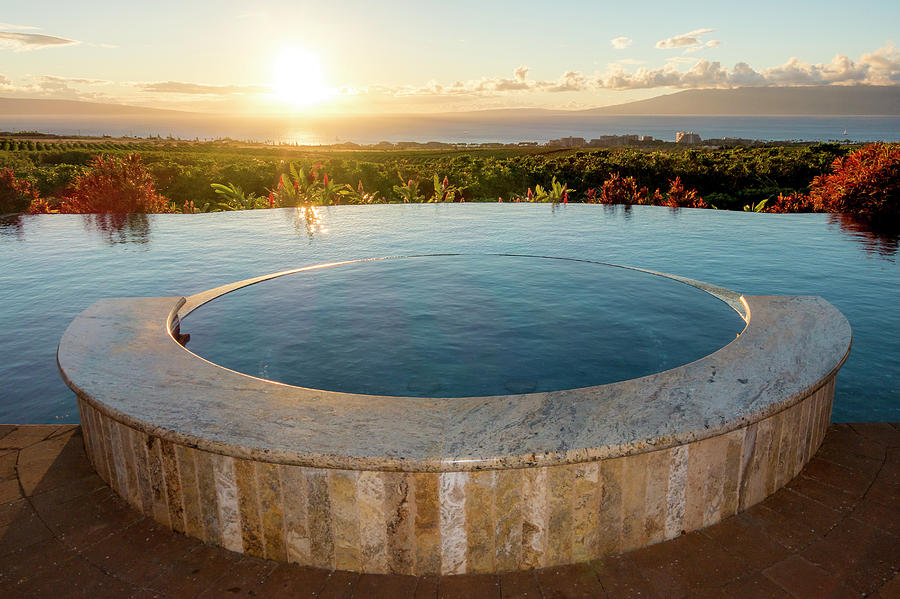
223,176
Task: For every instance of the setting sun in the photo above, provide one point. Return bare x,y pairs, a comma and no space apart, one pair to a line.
297,78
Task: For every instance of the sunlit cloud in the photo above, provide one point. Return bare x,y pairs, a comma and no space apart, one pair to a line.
23,42
180,87
50,86
881,67
75,80
709,44
620,43
691,38
10,26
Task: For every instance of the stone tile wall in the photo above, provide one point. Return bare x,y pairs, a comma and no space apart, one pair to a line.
454,522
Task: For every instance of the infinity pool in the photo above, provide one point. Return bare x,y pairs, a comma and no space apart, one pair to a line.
457,326
55,266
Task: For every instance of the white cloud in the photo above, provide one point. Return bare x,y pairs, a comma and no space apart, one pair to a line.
22,42
709,44
75,80
181,87
881,67
620,43
691,38
10,26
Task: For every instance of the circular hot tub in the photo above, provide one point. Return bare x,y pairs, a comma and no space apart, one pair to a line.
394,464
460,326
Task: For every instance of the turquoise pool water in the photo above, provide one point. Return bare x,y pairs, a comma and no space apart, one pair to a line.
460,326
55,266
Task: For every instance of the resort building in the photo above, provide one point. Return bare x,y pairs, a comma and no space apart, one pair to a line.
687,137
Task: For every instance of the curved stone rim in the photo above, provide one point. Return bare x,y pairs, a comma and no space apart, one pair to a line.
732,298
704,398
192,302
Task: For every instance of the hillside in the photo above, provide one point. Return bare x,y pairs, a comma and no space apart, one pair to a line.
805,101
44,107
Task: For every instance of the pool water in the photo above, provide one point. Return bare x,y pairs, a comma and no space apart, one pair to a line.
54,266
457,326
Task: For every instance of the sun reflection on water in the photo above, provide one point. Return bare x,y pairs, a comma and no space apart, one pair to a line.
308,219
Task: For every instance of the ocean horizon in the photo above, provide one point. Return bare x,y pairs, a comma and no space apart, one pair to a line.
463,128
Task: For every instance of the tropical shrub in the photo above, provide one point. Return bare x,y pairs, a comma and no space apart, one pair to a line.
680,197
408,192
443,190
360,195
622,190
114,184
16,195
332,192
234,198
760,206
559,192
792,202
865,183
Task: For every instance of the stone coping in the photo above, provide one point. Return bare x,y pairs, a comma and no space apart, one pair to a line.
120,357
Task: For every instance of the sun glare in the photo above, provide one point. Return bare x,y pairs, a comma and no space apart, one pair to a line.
297,78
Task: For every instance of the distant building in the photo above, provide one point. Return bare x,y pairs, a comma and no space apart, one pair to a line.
567,142
646,138
527,144
687,137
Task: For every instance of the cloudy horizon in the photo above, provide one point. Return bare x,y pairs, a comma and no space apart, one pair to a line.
305,70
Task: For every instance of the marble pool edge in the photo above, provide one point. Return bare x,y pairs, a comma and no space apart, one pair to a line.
454,522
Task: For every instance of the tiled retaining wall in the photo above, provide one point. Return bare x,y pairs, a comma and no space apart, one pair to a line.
455,522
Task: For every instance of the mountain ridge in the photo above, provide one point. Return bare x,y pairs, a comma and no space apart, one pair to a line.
859,100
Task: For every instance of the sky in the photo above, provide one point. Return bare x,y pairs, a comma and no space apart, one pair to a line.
402,56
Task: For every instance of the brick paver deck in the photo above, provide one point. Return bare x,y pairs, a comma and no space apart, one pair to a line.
834,531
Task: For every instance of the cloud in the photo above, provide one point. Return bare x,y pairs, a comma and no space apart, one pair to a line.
22,42
620,43
709,44
8,26
75,80
485,86
180,87
691,38
50,86
881,67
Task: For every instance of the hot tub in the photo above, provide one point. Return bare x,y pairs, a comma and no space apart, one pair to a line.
443,485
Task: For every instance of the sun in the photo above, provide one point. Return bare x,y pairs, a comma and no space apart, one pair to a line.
297,78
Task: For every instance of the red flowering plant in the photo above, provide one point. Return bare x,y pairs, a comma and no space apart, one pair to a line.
16,195
114,185
865,183
622,190
296,188
443,190
681,197
792,202
408,191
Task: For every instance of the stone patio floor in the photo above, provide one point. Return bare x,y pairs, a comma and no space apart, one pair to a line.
834,531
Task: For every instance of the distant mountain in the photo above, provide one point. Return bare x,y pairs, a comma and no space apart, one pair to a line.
769,101
43,107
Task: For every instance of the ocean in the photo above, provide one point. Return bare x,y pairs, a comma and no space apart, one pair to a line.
503,127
